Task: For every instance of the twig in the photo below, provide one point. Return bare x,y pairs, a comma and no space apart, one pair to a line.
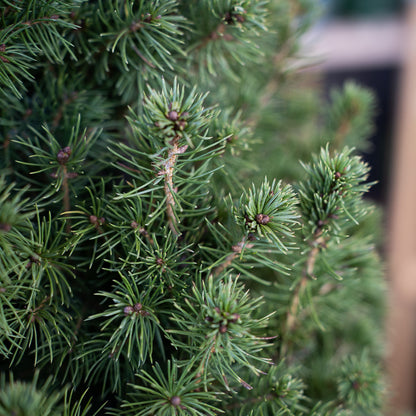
67,203
227,262
341,133
33,316
169,166
145,234
143,57
291,317
237,249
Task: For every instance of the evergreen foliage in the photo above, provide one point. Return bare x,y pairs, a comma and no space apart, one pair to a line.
148,266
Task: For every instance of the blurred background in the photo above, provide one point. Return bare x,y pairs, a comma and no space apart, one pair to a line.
363,40
374,43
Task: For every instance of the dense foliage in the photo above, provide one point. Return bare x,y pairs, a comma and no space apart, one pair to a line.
162,249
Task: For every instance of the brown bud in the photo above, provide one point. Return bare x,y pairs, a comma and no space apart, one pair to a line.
223,329
134,224
175,401
337,175
5,227
251,237
138,307
159,261
128,310
262,219
62,157
144,232
2,47
148,18
228,17
173,115
181,124
239,18
93,219
2,289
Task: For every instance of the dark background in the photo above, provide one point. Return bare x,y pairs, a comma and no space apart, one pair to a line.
383,81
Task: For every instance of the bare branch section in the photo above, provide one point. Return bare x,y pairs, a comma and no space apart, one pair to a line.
62,157
291,318
237,249
169,166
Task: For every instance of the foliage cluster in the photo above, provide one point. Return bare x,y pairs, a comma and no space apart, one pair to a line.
147,265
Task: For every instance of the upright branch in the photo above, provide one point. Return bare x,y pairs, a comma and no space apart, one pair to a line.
317,243
351,108
62,157
341,133
33,312
329,197
169,166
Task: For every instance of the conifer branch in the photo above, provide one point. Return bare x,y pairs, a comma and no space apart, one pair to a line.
291,318
143,232
169,166
62,157
343,130
33,312
237,249
218,33
227,262
140,55
192,311
65,186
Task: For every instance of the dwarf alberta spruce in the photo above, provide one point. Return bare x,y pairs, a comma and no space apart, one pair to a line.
162,250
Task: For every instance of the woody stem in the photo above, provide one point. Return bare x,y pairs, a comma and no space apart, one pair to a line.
168,187
291,317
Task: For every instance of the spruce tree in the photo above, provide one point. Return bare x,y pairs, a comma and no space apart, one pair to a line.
162,249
